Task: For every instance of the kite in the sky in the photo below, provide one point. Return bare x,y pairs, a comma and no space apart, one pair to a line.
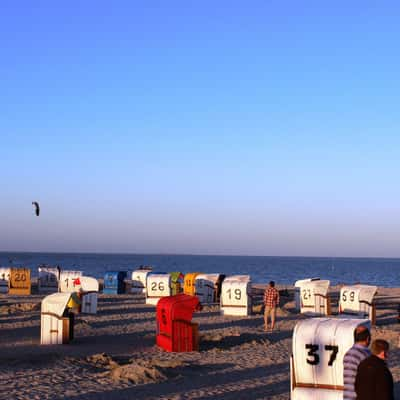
37,208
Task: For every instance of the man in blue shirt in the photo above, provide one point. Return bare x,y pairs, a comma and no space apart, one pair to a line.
352,359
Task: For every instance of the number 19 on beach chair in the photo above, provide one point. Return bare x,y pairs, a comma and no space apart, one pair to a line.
236,296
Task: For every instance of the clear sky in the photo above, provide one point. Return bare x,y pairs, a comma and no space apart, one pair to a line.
203,127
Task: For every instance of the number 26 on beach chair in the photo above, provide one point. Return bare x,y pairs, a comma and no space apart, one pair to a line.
158,286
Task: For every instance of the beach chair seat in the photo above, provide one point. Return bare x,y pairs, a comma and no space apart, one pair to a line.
48,278
175,331
56,320
114,282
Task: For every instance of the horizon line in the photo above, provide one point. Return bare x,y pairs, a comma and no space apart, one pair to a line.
193,254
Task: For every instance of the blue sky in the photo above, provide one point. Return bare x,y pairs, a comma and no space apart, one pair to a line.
229,127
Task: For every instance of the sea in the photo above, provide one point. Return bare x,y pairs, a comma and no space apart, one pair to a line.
262,269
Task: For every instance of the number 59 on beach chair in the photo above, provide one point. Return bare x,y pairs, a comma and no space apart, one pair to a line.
357,301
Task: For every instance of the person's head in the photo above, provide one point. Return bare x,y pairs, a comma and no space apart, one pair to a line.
272,283
362,335
380,348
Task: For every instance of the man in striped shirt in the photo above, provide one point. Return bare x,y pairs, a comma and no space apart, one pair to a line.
351,360
271,302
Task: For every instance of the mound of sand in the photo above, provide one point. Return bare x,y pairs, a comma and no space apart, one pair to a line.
136,371
19,307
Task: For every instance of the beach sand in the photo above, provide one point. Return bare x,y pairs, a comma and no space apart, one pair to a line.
114,356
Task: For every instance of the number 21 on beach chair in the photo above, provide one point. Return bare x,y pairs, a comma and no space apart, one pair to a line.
297,291
316,364
314,299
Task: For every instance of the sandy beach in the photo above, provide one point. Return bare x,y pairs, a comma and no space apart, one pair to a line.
114,356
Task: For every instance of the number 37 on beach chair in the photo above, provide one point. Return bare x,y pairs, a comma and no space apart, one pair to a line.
316,364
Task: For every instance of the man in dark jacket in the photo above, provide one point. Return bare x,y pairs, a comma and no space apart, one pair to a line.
374,380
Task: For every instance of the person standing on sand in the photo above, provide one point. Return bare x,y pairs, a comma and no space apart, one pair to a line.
351,360
374,381
271,302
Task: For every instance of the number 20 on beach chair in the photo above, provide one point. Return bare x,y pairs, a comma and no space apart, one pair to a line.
20,281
